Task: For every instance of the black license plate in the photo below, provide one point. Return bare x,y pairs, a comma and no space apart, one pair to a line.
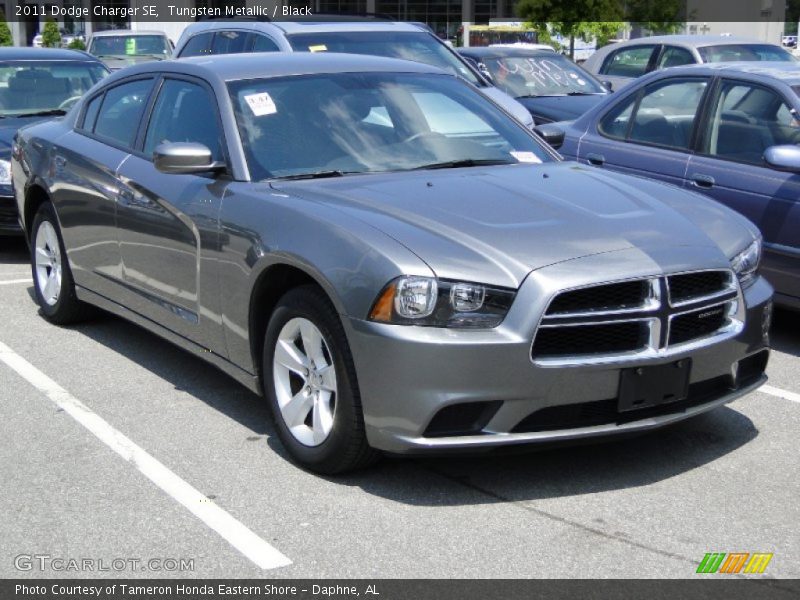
644,387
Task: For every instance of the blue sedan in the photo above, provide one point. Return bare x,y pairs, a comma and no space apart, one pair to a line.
729,131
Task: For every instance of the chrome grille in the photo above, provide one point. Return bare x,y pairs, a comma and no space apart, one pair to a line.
637,316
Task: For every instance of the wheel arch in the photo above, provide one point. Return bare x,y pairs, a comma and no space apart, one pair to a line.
36,194
271,283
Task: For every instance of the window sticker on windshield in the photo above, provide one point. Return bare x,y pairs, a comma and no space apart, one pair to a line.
261,104
130,45
525,157
318,48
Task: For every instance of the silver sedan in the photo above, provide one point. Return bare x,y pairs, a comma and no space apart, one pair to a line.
394,262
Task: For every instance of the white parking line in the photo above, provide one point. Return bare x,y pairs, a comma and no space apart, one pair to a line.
779,393
234,532
10,281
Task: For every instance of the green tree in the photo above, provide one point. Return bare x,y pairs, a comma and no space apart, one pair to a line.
51,36
5,32
792,17
76,44
658,16
600,19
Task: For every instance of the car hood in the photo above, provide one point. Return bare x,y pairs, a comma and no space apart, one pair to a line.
497,224
560,108
8,129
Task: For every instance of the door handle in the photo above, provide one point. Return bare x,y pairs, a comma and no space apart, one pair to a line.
595,159
702,181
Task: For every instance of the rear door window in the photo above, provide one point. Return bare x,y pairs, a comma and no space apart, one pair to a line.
119,117
230,42
198,45
628,62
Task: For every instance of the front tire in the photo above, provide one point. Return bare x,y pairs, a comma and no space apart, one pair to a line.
310,382
52,278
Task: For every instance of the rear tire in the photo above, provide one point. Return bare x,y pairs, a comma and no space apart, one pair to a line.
310,383
52,279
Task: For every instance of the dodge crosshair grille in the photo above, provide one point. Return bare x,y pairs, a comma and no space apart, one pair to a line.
639,316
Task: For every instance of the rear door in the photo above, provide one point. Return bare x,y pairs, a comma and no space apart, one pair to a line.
168,223
745,119
626,64
86,161
649,132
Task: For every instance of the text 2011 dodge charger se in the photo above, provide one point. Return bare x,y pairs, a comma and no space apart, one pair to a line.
392,260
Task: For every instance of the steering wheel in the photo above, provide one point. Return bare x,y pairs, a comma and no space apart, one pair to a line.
66,104
422,134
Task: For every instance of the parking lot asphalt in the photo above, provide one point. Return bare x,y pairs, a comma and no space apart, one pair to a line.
87,408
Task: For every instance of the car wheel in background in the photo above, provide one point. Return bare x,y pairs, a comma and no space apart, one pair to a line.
52,278
310,382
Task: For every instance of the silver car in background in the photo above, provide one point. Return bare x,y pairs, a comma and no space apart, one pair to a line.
119,48
392,261
621,63
369,36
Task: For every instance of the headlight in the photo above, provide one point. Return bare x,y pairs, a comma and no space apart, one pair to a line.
5,172
437,303
745,264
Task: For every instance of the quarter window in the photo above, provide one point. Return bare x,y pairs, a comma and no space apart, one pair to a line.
229,42
198,45
90,115
628,62
121,113
263,44
184,112
747,120
665,115
674,57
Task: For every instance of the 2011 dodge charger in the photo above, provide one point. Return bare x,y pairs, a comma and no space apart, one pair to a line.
392,260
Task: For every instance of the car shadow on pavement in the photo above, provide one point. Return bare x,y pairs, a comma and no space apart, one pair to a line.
184,371
783,335
540,473
14,251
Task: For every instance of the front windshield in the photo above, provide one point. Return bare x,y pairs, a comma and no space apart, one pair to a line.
540,76
130,45
371,122
417,46
744,52
29,87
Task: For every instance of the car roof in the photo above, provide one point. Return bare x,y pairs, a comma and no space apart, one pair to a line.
788,72
45,54
505,51
690,41
311,26
234,67
112,32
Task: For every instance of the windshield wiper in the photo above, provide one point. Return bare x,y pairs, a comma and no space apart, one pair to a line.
52,112
466,162
315,175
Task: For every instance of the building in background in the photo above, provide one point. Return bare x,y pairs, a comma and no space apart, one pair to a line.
762,19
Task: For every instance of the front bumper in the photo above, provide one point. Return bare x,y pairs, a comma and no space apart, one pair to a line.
407,375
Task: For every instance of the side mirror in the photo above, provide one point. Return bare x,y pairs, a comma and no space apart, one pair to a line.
184,157
783,158
552,134
609,85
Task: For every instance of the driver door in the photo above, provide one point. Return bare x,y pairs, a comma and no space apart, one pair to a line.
168,223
